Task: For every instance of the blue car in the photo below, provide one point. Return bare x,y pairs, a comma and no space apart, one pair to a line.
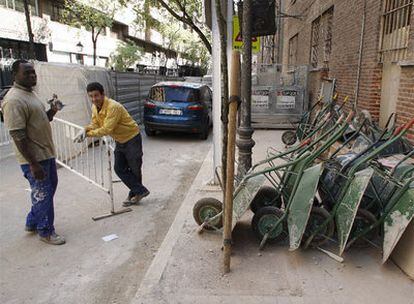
178,106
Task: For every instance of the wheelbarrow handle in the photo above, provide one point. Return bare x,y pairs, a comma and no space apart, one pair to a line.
326,117
346,99
409,124
350,116
404,127
344,103
305,142
341,118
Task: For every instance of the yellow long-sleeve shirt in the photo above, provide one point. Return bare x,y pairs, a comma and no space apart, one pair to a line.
113,120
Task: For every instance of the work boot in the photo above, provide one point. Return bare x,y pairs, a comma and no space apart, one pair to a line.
127,201
30,229
136,199
53,239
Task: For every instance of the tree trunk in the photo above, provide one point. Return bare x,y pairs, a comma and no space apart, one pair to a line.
94,52
32,54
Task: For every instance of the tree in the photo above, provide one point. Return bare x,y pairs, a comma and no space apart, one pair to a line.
189,13
29,30
186,11
181,40
126,54
78,14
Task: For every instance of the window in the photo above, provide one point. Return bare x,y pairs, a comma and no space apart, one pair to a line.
18,5
293,50
396,15
174,94
55,9
321,41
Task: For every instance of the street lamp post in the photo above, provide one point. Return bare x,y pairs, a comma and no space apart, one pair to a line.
244,141
79,47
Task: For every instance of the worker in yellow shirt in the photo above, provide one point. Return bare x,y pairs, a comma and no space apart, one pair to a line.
111,118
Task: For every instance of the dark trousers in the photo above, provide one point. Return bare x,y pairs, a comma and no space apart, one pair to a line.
128,163
42,214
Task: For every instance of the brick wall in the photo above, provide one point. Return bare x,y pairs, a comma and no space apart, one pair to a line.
343,63
405,103
346,33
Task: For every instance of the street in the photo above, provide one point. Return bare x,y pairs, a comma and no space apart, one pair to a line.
87,269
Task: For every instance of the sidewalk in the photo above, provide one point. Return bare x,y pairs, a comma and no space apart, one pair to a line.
187,267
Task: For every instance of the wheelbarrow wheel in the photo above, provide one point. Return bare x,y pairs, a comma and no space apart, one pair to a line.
266,196
207,208
264,221
363,219
317,216
289,137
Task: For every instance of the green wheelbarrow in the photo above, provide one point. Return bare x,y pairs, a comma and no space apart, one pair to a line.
346,210
269,223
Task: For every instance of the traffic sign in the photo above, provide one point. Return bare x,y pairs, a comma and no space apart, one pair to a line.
237,38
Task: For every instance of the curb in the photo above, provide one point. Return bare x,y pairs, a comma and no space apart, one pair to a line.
160,261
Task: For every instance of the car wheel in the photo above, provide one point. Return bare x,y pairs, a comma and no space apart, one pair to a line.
204,132
149,132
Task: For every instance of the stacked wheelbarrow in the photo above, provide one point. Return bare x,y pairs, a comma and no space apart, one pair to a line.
314,195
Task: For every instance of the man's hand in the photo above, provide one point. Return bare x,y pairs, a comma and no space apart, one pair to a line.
80,137
37,171
54,107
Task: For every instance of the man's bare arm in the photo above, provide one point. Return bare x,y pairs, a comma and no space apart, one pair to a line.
22,144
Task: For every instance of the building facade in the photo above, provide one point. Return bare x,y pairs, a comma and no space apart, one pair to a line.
56,41
366,45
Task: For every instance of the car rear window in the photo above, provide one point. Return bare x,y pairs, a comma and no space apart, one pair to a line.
174,94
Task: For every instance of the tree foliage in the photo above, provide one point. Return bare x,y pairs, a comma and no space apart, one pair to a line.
125,56
79,14
188,12
185,42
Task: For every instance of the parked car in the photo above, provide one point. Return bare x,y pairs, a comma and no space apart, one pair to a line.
178,106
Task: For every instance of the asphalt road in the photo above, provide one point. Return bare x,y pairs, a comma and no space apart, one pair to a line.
87,269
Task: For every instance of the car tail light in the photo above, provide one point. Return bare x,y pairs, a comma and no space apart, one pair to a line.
149,105
196,107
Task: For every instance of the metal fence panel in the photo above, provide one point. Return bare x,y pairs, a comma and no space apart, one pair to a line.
91,159
131,90
279,100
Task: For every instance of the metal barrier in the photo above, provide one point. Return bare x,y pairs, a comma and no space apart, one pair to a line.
90,159
132,88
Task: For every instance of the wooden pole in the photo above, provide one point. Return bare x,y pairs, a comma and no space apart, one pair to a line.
228,202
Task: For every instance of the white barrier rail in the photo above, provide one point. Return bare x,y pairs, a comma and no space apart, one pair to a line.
4,135
90,159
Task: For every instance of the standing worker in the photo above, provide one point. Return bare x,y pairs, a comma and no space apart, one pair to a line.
111,118
28,122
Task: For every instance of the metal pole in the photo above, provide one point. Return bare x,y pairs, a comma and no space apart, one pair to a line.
109,172
244,141
216,82
361,43
228,203
110,186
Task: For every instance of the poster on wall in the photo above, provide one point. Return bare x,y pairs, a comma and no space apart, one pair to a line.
286,99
